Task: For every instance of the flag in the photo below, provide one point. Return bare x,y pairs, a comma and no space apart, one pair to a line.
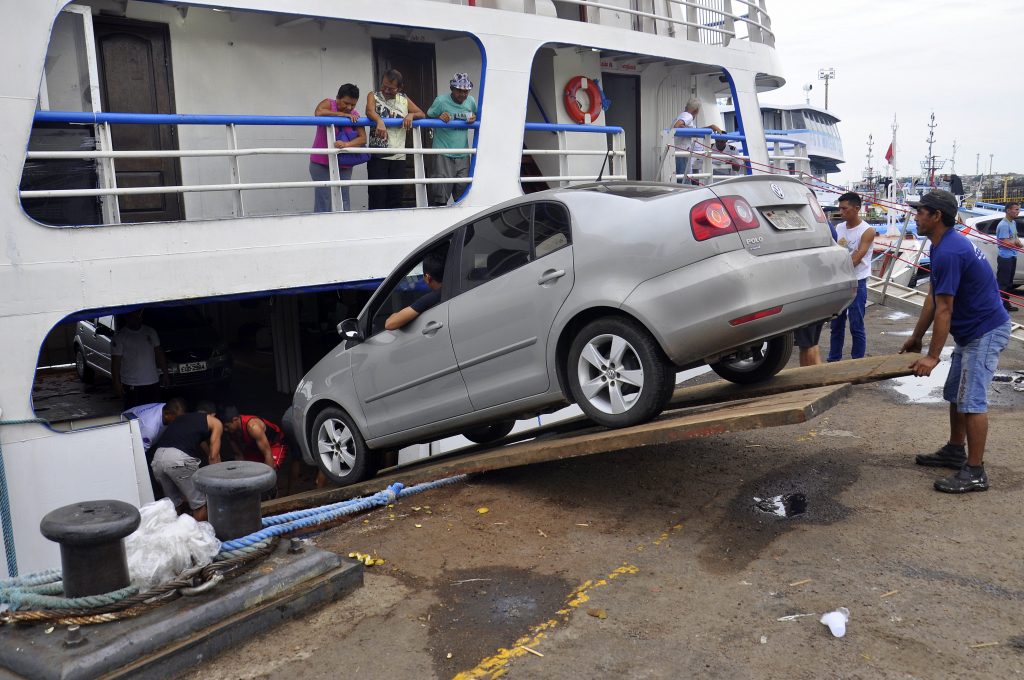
888,154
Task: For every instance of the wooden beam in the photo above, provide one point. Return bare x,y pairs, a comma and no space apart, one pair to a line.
787,408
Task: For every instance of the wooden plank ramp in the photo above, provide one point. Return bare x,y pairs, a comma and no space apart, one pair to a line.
793,396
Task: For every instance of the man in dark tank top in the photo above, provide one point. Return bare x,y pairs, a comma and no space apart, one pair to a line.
192,440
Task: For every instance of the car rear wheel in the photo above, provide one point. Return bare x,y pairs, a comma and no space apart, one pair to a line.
84,370
490,433
339,449
763,362
618,374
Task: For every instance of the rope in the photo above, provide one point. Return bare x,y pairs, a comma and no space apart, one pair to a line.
84,611
5,503
23,598
289,522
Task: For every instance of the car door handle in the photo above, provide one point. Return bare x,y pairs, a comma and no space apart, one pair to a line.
550,275
432,327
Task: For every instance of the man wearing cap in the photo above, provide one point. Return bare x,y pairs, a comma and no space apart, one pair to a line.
1006,259
964,301
456,106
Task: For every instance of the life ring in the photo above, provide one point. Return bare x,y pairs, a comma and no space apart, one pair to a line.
572,105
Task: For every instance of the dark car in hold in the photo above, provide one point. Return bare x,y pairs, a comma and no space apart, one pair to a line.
196,353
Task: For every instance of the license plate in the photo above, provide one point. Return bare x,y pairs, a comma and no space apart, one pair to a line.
192,367
785,219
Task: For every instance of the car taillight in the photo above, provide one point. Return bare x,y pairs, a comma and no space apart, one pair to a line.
741,212
819,214
709,219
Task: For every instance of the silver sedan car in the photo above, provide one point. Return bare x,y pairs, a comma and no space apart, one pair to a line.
595,295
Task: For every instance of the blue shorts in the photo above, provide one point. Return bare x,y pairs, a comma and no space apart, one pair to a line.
972,368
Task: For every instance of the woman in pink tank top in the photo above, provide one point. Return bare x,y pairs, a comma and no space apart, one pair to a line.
343,106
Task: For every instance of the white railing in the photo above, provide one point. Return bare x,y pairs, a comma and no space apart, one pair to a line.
615,153
705,21
708,162
106,157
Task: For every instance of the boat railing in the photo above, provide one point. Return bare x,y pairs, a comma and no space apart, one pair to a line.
713,155
106,156
614,152
709,22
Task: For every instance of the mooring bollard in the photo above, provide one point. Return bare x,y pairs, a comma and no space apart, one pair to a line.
233,496
90,535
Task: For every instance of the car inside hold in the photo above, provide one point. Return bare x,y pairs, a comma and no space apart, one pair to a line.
247,352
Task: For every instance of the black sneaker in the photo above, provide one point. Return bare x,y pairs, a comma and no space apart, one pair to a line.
1011,308
950,455
967,479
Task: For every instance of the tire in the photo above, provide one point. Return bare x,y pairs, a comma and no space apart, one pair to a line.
83,369
768,360
490,433
339,449
618,374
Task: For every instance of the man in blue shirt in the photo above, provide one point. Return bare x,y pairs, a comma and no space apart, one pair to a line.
455,106
965,303
1006,262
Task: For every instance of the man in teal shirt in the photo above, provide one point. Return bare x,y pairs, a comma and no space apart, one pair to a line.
457,106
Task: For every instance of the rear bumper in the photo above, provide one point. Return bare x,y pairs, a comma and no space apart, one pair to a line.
688,310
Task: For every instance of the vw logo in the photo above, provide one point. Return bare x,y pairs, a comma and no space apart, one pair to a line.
777,190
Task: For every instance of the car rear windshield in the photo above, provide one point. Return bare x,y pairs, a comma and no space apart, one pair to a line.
638,191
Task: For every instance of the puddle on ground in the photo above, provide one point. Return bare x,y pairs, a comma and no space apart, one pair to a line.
1007,388
801,492
784,505
897,316
482,610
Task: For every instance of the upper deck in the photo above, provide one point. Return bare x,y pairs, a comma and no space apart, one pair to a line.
250,58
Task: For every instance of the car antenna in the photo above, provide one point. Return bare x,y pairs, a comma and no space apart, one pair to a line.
603,164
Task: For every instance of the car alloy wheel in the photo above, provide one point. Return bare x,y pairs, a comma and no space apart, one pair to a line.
610,374
764,361
617,373
339,449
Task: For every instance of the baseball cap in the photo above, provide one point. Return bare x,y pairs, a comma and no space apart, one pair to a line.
228,413
940,200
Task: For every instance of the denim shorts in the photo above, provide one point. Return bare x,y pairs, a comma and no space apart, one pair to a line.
971,370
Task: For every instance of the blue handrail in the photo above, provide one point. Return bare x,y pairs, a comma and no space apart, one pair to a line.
559,127
217,119
90,118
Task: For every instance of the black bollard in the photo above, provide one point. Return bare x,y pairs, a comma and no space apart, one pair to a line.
233,496
90,535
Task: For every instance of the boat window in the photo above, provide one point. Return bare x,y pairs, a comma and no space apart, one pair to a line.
254,158
587,119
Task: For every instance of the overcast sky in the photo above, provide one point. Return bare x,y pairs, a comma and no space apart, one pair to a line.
909,58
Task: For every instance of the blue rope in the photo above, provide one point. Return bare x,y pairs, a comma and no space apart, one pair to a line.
302,519
5,503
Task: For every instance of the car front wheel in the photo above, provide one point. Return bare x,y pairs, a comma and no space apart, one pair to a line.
618,374
764,361
339,449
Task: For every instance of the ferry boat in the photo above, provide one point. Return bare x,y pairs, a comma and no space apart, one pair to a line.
156,154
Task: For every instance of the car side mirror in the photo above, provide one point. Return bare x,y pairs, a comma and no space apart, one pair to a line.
349,329
104,331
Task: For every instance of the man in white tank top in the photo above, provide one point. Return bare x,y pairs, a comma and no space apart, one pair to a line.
857,236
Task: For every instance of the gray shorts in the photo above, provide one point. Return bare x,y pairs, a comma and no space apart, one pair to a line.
446,166
174,469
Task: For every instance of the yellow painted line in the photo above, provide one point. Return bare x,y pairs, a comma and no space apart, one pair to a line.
496,665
